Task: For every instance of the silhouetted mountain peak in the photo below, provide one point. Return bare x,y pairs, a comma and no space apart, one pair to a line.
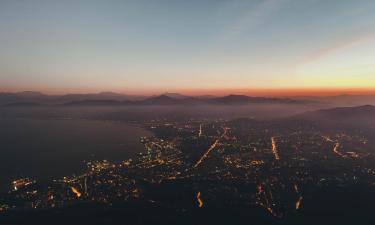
161,99
175,95
232,99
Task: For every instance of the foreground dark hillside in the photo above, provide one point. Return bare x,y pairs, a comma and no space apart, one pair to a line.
329,206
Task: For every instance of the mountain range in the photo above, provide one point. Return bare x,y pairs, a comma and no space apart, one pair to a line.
111,99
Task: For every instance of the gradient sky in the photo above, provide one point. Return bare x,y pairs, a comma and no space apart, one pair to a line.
155,46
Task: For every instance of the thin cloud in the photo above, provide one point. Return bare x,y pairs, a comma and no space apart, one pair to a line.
252,18
339,45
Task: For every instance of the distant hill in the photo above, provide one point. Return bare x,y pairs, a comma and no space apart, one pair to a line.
111,98
355,115
97,103
7,98
176,95
30,94
97,96
243,99
22,97
168,100
160,100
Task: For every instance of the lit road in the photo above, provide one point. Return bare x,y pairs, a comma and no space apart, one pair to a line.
76,192
212,147
274,148
298,203
200,202
335,147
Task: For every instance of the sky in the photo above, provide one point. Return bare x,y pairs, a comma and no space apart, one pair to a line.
195,46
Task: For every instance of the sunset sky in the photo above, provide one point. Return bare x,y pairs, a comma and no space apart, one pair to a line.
194,46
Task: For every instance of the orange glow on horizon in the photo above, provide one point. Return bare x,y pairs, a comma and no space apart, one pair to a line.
308,91
324,91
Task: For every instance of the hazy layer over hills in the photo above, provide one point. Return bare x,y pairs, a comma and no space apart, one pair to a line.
359,115
109,98
31,98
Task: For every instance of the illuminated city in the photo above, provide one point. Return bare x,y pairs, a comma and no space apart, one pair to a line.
276,166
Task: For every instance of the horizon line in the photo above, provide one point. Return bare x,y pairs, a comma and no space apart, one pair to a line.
269,92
